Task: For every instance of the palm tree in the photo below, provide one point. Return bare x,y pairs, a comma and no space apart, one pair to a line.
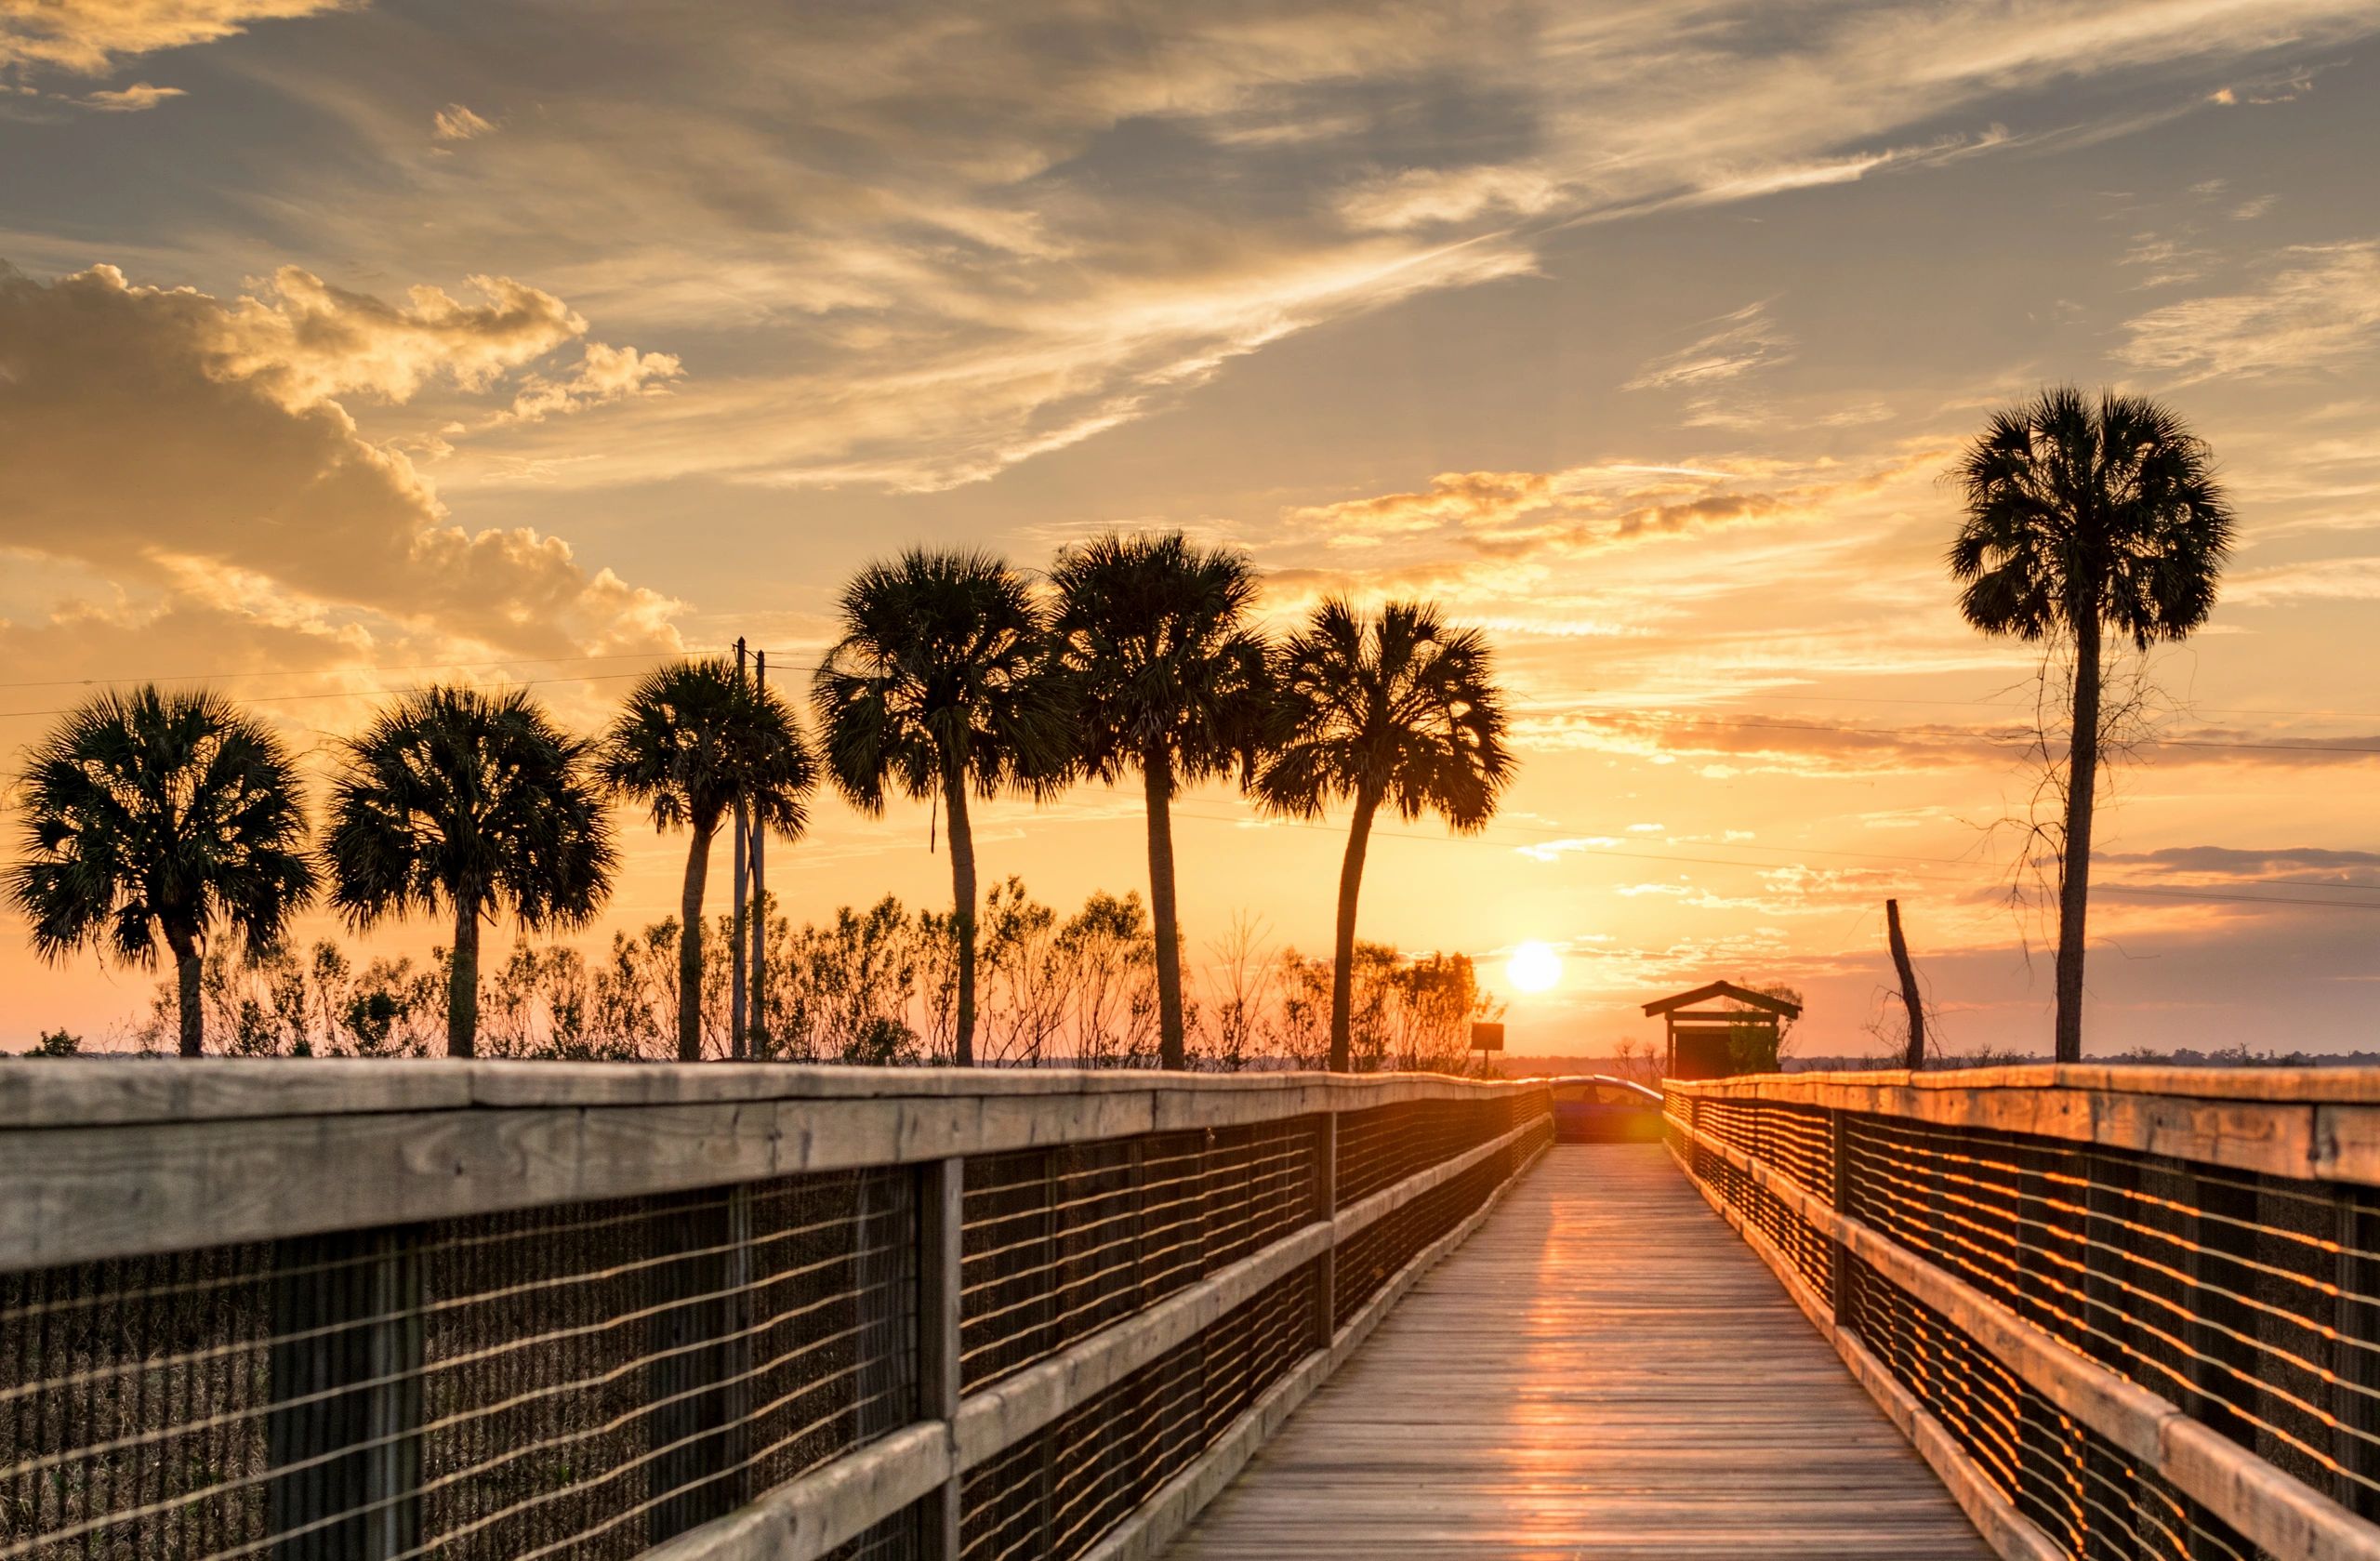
693,741
1398,709
157,817
2080,518
1163,676
464,803
940,687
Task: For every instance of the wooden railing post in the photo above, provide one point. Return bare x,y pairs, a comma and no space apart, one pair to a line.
941,1219
1838,1197
345,1372
1325,1204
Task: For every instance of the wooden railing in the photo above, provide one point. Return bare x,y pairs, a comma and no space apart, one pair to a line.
2123,1312
521,1310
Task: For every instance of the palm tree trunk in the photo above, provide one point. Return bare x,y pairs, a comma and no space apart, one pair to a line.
463,981
690,947
1157,770
2074,880
193,1020
962,909
1342,958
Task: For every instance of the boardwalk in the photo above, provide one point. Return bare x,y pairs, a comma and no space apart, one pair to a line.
1603,1369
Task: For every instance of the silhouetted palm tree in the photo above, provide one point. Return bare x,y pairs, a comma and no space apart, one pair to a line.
157,817
1163,676
693,740
939,686
2081,517
459,801
1397,709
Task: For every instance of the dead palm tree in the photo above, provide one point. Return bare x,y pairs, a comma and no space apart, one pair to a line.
2083,517
1397,709
1165,676
692,741
156,818
939,687
463,803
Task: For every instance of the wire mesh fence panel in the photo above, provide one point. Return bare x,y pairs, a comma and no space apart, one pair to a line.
1793,1140
1054,1495
589,1378
1058,1243
1381,1145
1374,1255
133,1422
581,1380
2086,1494
2246,1300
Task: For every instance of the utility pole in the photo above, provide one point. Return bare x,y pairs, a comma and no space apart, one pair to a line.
736,937
760,902
1914,1058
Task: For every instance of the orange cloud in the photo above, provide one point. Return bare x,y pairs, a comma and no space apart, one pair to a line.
161,437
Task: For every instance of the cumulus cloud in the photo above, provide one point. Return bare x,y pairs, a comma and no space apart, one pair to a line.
2320,306
603,375
176,443
307,341
89,36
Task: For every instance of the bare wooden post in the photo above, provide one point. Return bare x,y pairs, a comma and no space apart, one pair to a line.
736,1034
755,1042
1914,1057
1326,1204
941,1219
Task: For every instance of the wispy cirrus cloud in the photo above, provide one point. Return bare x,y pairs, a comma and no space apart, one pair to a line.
920,299
1743,342
458,122
2318,308
136,98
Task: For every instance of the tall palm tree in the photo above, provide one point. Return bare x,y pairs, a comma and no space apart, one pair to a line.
1165,676
1398,709
692,741
463,803
155,817
2083,517
940,687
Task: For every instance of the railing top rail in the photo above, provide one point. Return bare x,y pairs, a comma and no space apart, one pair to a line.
2312,1124
107,1158
1612,1080
2356,1086
63,1093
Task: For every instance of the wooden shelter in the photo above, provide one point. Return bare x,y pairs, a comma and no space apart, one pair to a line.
1716,1042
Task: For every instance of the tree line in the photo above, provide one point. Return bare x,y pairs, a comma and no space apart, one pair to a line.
163,824
874,985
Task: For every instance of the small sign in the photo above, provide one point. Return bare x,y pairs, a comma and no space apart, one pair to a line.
1486,1036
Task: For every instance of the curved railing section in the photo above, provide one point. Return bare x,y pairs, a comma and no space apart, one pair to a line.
528,1310
2123,1312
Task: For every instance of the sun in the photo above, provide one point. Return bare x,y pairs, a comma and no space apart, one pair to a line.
1534,968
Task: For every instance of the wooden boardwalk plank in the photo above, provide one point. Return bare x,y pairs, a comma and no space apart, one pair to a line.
1603,1370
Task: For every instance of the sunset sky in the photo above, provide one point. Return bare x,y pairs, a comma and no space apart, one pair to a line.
348,347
